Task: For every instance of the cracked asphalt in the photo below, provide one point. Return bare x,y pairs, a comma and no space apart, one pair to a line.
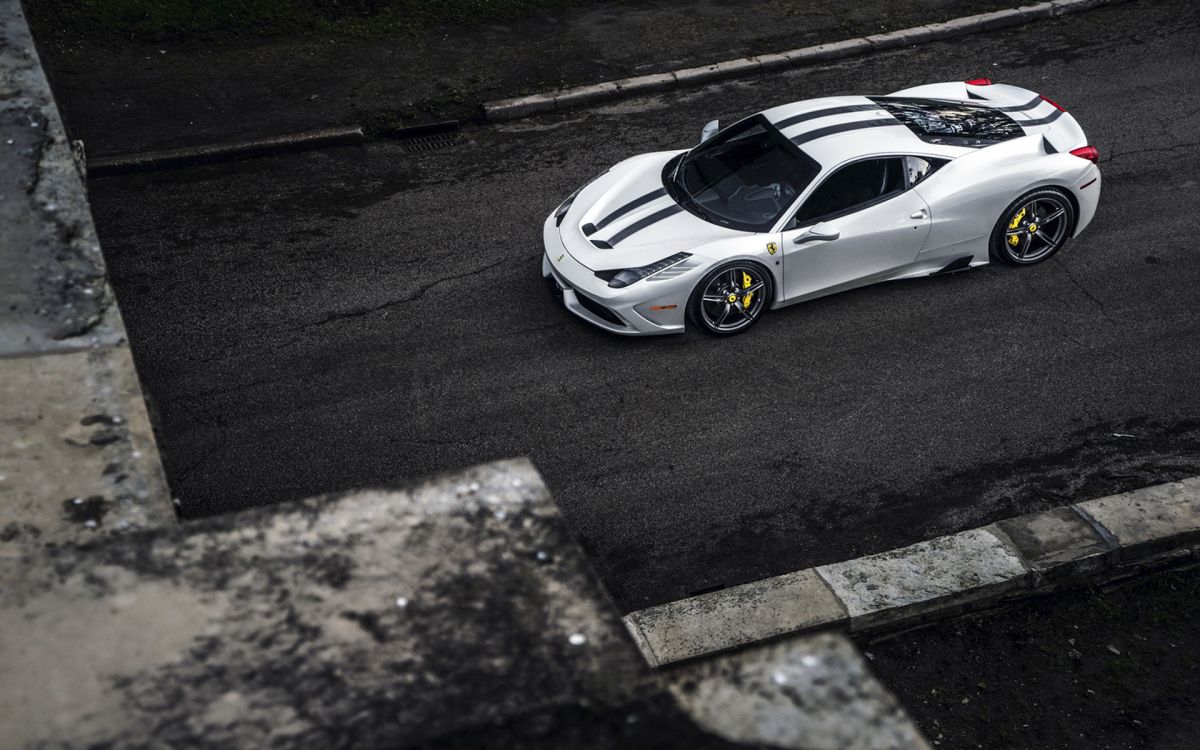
369,316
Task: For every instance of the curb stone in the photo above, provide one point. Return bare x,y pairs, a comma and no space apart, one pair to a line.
1084,543
701,624
1058,541
500,110
309,139
907,583
1148,523
348,135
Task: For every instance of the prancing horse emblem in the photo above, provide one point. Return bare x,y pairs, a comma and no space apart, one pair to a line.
772,248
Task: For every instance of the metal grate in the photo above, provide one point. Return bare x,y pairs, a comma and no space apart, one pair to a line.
431,142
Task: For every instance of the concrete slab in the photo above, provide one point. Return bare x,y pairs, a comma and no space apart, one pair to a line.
937,575
1151,520
390,616
725,619
811,692
77,456
1057,543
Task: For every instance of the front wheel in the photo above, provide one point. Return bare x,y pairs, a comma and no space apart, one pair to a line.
1034,227
731,298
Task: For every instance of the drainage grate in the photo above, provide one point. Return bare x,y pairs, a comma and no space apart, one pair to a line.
431,142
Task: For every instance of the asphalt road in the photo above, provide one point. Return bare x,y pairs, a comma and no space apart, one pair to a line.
356,317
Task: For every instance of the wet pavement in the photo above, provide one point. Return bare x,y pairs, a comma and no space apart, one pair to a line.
368,316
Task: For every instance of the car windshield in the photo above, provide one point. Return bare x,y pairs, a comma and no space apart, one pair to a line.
745,177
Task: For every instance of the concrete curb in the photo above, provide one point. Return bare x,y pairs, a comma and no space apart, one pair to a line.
349,135
511,109
1103,539
341,136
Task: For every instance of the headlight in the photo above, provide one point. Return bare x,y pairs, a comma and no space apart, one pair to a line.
565,206
623,278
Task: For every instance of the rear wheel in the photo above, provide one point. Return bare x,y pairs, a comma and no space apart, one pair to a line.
1033,228
731,298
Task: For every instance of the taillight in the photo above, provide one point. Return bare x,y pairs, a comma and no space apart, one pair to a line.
1057,106
1091,153
979,82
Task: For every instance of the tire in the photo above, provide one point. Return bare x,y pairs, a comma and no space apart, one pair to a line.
719,302
1050,213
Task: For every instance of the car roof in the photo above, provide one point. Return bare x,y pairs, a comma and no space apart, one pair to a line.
836,129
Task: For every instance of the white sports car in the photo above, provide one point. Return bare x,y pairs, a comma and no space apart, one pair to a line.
820,196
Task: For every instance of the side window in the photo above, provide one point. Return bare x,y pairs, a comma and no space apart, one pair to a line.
919,168
854,185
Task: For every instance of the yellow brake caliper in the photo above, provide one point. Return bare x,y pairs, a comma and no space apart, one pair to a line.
746,281
1014,239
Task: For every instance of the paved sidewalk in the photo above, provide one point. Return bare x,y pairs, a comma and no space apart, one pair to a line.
120,97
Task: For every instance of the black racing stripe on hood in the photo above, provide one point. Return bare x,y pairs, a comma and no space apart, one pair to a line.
805,117
1021,107
1057,113
845,127
644,222
630,206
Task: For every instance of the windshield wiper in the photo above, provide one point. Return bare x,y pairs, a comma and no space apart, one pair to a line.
678,164
686,197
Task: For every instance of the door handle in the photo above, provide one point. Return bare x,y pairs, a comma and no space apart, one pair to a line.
919,214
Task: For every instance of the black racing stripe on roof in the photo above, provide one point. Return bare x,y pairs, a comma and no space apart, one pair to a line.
1021,107
638,202
1057,113
644,222
806,116
845,127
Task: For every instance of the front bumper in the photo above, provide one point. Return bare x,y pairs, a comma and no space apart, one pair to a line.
623,311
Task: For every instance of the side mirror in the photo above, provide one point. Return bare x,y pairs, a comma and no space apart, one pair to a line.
710,130
823,232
